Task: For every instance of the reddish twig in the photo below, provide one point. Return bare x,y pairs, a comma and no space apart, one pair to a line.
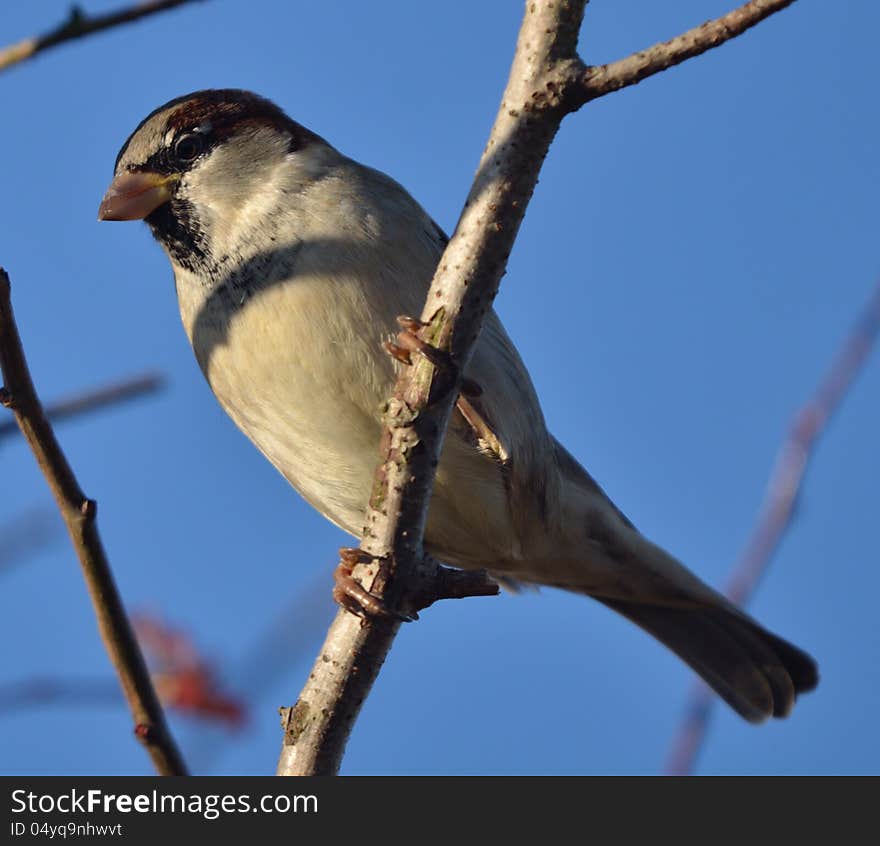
287,640
82,403
780,502
79,25
185,679
79,514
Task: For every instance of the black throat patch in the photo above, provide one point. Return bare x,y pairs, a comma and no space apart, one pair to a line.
175,225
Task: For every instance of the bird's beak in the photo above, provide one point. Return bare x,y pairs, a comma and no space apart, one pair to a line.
133,195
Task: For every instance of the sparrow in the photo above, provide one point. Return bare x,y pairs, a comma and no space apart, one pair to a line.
292,263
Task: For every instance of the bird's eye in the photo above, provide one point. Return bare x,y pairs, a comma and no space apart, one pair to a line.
188,147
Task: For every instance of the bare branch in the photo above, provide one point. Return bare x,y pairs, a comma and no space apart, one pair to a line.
79,25
186,680
547,81
79,515
780,502
82,403
34,692
603,79
464,285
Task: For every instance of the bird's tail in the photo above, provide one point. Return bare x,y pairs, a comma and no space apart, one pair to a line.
756,672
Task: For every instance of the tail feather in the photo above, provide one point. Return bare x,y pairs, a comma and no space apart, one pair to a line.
756,672
600,553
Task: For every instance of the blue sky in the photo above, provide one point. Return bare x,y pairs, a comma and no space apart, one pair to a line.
695,252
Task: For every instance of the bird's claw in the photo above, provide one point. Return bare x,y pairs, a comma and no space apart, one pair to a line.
354,597
408,342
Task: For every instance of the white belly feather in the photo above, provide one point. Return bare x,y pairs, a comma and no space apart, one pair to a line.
299,367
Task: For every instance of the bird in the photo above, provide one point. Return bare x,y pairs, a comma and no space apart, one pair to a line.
292,263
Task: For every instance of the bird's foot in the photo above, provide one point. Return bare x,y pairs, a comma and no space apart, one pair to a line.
354,597
408,342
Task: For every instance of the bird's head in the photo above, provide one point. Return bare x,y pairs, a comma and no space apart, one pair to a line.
207,169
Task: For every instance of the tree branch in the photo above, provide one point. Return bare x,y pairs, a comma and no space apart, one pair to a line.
780,502
603,79
113,393
79,25
79,514
464,285
38,691
547,81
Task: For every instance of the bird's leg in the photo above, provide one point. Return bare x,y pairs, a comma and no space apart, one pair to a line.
474,415
353,596
467,403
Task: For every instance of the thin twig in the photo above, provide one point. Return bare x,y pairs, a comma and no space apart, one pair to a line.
79,515
778,508
37,692
79,25
93,400
548,80
186,680
603,79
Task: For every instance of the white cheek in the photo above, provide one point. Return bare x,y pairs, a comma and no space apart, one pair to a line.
237,198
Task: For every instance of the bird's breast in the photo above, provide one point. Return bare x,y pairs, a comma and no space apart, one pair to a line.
298,366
